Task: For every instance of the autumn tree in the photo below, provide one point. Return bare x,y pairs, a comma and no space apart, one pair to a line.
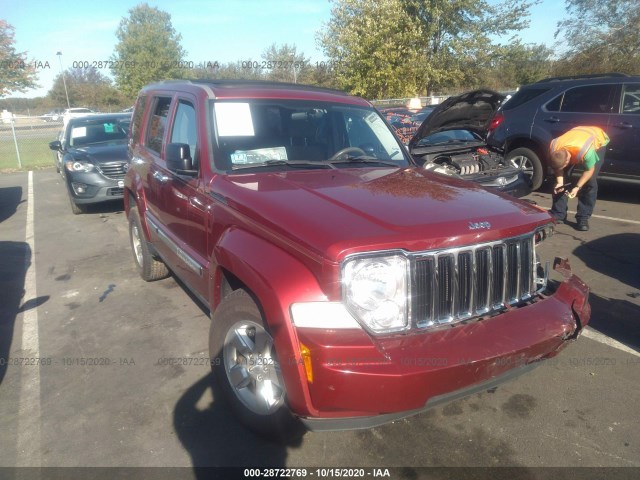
148,50
17,74
601,36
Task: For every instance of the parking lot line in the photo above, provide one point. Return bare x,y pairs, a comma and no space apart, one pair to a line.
601,338
28,441
615,219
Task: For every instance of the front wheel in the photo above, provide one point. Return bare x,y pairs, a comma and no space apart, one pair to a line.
528,161
76,208
246,368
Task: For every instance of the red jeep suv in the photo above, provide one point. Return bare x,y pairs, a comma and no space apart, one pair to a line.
347,286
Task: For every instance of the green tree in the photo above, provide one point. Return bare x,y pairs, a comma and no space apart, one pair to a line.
87,87
148,50
520,64
408,47
240,70
601,35
16,73
374,48
457,35
285,64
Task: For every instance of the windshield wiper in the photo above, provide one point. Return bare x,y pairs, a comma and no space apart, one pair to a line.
364,159
289,163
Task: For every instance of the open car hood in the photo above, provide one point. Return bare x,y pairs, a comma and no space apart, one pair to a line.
469,111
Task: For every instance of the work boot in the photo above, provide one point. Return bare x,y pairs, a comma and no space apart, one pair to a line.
583,225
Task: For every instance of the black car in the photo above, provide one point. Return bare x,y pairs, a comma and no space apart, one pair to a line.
537,113
93,153
451,141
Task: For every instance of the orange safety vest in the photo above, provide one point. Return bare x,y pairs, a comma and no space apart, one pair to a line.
578,140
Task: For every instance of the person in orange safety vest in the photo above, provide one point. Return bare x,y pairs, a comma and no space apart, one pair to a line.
583,146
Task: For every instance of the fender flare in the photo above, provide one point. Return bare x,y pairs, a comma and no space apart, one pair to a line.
276,279
133,189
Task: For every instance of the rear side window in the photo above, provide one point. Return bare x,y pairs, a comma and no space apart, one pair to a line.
631,100
158,124
523,96
587,99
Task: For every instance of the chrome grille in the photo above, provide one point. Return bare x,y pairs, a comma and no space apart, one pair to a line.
456,284
115,171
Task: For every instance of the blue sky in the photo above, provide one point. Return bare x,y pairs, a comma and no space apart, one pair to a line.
212,30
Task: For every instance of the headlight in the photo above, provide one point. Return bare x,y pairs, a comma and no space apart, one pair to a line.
375,292
78,166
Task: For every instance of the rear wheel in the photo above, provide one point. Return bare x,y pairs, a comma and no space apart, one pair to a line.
528,161
148,267
246,368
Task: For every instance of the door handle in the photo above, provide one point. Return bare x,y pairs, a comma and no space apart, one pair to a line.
161,177
624,125
552,119
196,202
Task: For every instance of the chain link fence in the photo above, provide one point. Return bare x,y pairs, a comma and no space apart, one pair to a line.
24,141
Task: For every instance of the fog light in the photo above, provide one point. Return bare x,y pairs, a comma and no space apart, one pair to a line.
79,188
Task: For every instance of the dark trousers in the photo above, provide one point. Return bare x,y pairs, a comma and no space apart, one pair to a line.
586,195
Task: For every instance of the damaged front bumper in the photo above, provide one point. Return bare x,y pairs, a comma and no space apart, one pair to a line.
361,382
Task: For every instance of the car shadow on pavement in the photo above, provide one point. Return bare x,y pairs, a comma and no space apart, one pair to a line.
13,268
112,206
617,257
213,437
10,198
617,319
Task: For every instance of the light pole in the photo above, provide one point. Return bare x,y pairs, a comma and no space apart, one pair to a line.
64,82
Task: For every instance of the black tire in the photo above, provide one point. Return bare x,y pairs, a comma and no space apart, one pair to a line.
528,161
251,358
149,268
76,208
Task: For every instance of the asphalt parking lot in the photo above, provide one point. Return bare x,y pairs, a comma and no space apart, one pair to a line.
88,383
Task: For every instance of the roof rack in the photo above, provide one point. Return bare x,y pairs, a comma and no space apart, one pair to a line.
579,77
239,83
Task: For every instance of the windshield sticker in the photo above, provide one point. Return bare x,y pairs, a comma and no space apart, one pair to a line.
78,132
234,120
259,155
109,128
383,133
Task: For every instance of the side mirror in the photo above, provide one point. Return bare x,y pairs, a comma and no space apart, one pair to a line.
55,145
178,157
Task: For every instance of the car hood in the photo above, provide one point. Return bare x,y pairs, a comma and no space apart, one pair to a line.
470,111
332,213
101,153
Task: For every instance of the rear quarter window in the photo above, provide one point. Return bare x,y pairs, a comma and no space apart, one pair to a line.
523,96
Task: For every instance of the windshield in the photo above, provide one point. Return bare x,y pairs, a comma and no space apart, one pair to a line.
88,131
282,134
